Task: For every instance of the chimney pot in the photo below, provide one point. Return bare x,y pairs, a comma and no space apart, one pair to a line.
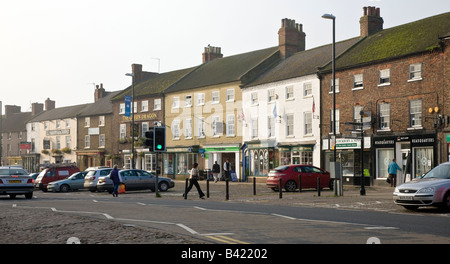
211,53
291,38
371,22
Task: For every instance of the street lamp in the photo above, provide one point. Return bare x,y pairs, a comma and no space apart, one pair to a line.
336,169
132,118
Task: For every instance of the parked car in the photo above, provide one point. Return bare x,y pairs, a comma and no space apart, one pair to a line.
136,180
432,189
289,175
14,181
94,173
74,182
53,173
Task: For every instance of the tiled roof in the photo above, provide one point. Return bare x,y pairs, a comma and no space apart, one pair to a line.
416,37
302,63
242,67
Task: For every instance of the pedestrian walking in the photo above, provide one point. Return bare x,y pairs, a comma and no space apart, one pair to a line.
193,180
227,169
216,171
116,179
392,170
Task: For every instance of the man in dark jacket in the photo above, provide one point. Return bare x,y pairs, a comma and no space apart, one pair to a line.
116,179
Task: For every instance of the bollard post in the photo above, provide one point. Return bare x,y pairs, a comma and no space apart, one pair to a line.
318,186
227,189
185,189
280,188
299,183
207,187
254,185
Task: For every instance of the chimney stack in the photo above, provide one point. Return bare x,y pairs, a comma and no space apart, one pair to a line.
371,21
37,108
99,92
49,104
11,109
212,53
291,38
136,69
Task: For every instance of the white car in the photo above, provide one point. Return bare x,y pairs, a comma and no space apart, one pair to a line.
14,181
91,179
433,189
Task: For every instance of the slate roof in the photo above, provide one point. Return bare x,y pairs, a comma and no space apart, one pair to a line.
60,113
242,67
102,107
303,63
156,84
396,42
15,122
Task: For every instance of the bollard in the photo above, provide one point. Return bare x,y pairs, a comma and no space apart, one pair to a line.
185,189
254,185
318,186
299,183
227,190
207,187
280,188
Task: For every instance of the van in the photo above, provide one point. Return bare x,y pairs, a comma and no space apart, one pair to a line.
52,173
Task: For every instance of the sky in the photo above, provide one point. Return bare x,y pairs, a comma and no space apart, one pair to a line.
61,49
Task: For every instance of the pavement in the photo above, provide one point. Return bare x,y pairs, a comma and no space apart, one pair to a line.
376,198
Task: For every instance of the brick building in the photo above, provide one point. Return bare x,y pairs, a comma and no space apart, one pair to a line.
398,77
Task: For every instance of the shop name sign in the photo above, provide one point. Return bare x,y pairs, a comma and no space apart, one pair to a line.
348,143
138,117
58,132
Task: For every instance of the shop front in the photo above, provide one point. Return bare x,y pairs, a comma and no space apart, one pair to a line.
416,154
221,154
177,161
348,154
260,157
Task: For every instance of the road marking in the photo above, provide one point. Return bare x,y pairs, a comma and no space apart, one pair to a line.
284,216
226,240
141,203
190,230
380,228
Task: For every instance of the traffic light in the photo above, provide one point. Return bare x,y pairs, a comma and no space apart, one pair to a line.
149,139
159,139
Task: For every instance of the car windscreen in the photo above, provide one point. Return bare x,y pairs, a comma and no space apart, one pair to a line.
281,168
440,172
12,172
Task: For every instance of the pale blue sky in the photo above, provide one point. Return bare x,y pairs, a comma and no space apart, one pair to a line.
57,49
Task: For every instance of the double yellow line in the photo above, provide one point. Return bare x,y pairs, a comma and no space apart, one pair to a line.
226,240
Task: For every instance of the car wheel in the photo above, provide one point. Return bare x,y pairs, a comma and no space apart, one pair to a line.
446,202
290,186
29,195
331,185
163,186
64,188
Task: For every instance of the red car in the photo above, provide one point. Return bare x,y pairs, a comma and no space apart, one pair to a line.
289,175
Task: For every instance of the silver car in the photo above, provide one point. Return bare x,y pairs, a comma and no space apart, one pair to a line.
15,181
91,179
136,180
433,189
74,182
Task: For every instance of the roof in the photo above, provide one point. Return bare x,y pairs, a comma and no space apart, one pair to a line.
242,67
15,122
60,113
155,84
103,106
416,37
303,63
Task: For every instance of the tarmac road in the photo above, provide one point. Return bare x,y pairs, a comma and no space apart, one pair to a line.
264,218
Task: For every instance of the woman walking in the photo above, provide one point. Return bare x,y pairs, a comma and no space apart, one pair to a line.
193,180
116,179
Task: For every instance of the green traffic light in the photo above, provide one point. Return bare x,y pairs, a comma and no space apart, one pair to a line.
159,146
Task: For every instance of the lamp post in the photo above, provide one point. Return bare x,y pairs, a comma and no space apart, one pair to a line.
132,118
336,169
